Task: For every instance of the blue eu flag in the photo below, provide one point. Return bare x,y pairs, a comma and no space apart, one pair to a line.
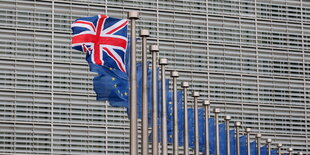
243,145
170,118
110,84
253,148
223,144
263,150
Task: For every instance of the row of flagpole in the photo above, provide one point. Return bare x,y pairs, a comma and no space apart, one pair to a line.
133,16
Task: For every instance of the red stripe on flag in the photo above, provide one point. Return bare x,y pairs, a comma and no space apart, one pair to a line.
118,28
96,52
87,23
113,42
85,38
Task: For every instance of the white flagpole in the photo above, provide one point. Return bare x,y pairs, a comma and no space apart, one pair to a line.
133,15
185,85
174,75
248,130
290,150
237,126
279,148
154,49
196,95
217,133
163,62
144,34
258,137
269,145
206,105
227,119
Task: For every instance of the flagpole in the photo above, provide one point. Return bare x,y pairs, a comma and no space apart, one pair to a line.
258,137
248,130
217,134
196,95
144,34
206,104
163,62
154,49
227,119
185,85
269,145
237,126
174,75
279,148
290,150
133,15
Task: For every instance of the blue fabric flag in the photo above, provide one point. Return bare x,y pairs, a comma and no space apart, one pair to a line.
274,152
201,130
191,130
223,144
168,99
212,136
170,118
243,146
110,84
150,95
139,88
253,148
232,142
180,118
263,150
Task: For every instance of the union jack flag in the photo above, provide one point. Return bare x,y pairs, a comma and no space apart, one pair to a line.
105,38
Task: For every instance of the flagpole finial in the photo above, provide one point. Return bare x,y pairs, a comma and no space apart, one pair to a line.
144,33
133,15
163,61
279,145
195,94
174,74
247,130
258,135
290,149
300,153
217,110
227,118
237,124
154,48
268,140
185,84
206,103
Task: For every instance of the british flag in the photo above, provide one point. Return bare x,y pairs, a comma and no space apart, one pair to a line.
104,38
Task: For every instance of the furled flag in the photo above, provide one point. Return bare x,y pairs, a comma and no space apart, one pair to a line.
263,150
223,141
170,117
243,145
232,142
105,38
253,149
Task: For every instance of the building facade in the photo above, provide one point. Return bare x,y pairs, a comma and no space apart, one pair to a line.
251,58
